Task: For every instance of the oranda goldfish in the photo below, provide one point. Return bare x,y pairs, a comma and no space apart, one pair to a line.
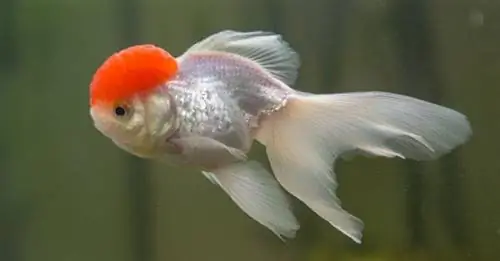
206,107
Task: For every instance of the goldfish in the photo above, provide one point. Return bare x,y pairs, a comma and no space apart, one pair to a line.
207,107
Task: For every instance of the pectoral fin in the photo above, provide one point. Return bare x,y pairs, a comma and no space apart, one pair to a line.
207,152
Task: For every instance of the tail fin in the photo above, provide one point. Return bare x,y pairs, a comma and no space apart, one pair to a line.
311,131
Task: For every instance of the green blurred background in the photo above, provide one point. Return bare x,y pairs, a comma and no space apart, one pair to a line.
69,194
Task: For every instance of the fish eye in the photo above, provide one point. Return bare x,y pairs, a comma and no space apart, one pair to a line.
120,110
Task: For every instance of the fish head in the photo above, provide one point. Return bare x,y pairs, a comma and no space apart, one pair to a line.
129,99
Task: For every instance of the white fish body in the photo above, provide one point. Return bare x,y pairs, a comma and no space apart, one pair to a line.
234,88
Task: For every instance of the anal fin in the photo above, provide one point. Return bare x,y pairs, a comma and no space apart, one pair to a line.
258,194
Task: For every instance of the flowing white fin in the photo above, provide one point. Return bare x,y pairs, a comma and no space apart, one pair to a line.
206,152
304,139
258,194
265,48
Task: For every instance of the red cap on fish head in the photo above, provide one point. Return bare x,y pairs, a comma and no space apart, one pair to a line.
133,70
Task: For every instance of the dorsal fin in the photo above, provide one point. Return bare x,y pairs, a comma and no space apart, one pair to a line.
266,48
